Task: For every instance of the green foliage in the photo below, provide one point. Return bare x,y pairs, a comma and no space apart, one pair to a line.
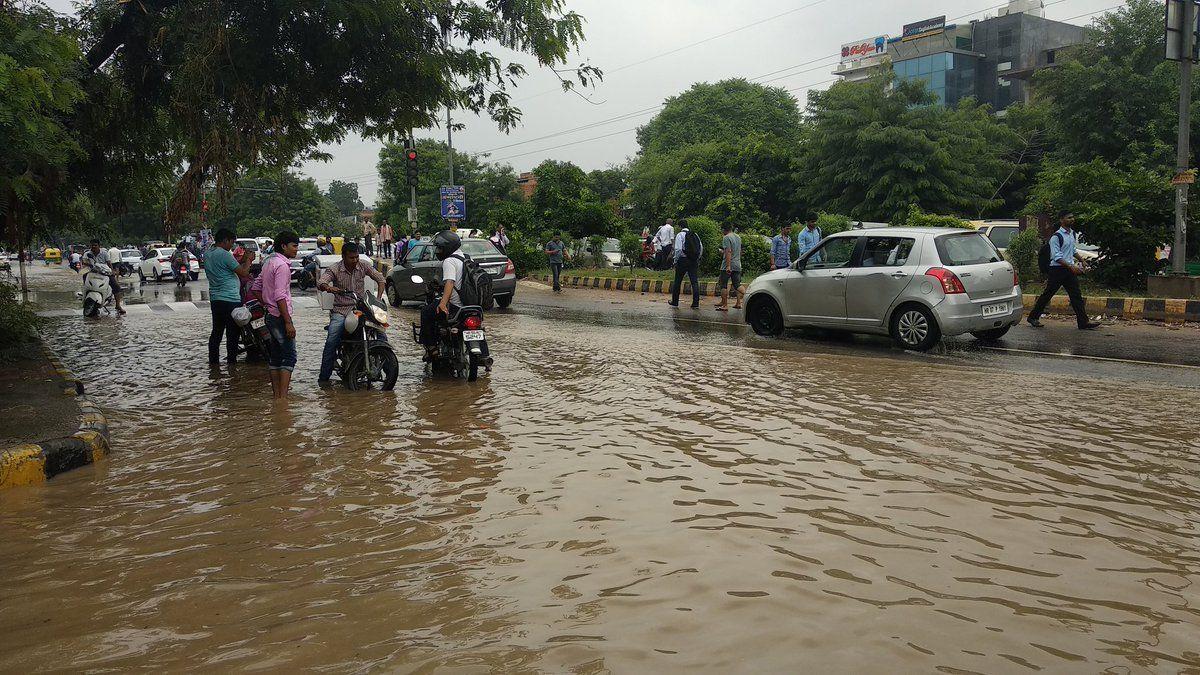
489,186
720,112
344,197
526,253
1126,212
631,247
832,223
872,152
37,144
1022,252
756,253
264,205
18,323
609,184
514,216
710,235
915,217
564,202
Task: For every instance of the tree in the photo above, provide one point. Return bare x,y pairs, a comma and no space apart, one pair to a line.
36,142
488,185
237,85
609,184
344,197
564,202
874,152
725,111
263,204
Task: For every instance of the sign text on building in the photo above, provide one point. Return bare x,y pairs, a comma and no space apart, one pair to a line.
924,28
861,49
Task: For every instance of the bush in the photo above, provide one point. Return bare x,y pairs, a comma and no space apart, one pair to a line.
756,253
1022,252
526,255
915,217
18,323
832,223
710,234
631,248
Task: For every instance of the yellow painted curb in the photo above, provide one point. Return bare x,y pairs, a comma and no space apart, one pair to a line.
22,465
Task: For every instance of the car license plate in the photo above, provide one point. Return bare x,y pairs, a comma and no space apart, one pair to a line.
993,310
258,323
473,335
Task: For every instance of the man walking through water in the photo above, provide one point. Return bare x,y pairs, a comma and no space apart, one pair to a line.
276,279
225,294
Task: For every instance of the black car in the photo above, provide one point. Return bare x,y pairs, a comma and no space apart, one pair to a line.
422,262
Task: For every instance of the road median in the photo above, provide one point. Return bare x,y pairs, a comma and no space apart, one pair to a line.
49,447
1151,309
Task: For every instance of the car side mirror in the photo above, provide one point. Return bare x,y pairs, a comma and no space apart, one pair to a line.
800,265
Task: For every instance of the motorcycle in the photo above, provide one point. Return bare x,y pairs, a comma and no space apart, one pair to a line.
308,275
364,355
181,275
97,292
251,317
462,343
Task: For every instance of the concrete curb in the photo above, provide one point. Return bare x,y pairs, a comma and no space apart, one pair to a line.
34,463
1155,309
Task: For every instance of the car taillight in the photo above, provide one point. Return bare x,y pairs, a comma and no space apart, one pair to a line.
510,268
951,284
1016,279
162,260
472,323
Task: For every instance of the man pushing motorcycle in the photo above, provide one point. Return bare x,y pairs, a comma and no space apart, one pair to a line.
95,256
347,275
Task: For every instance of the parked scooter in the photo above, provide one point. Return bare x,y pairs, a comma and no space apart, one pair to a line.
462,343
256,337
97,291
364,355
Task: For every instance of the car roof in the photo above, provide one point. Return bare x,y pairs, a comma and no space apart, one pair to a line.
910,231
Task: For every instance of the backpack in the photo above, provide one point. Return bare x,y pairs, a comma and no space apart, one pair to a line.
476,288
693,248
1044,254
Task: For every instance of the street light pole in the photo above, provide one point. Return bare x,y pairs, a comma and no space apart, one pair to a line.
1183,150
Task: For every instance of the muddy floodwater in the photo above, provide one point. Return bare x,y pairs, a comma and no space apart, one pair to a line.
615,497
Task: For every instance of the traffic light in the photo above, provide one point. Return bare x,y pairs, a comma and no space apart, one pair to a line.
410,163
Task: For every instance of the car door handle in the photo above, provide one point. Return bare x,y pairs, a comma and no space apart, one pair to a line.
898,275
839,275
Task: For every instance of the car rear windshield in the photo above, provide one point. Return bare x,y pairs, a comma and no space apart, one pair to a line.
970,248
480,247
248,245
1001,236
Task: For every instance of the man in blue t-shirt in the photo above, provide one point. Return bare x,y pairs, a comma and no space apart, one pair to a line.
224,294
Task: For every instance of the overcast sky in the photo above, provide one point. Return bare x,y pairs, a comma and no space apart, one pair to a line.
621,34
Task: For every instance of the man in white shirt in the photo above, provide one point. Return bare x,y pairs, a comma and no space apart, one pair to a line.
446,244
665,236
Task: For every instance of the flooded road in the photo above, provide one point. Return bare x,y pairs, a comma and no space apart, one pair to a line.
615,497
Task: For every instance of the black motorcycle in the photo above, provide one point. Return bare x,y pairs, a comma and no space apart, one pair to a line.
364,355
462,343
306,278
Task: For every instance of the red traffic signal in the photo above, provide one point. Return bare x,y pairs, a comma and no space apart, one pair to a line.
412,155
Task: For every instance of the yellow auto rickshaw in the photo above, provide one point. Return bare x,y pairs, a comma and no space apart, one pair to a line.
52,255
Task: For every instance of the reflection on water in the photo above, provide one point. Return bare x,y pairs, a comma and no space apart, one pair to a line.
623,499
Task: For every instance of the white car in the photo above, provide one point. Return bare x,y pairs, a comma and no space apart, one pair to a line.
611,250
264,242
157,265
1001,232
250,245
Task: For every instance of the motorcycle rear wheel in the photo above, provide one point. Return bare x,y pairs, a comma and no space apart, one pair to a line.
91,308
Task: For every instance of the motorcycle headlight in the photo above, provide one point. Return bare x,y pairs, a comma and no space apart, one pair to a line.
381,316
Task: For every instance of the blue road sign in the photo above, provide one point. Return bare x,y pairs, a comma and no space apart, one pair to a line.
454,202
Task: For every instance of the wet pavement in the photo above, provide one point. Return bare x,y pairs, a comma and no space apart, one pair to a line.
627,492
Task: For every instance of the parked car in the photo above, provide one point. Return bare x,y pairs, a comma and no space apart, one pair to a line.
914,284
157,265
251,245
264,242
307,245
611,250
421,261
1001,232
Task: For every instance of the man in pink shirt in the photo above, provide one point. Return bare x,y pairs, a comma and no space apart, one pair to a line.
276,282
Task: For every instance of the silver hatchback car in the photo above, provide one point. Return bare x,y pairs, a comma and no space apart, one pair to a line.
915,284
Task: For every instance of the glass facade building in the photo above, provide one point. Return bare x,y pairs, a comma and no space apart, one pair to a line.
949,75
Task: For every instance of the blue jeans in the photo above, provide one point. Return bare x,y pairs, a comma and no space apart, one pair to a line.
333,338
283,354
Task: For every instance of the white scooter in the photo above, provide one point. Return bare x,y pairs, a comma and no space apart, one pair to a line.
97,293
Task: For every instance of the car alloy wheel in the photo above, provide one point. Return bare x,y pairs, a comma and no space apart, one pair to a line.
913,327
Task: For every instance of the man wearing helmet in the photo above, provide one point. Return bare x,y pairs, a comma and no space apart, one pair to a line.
446,245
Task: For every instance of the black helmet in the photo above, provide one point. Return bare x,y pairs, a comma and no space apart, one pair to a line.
446,243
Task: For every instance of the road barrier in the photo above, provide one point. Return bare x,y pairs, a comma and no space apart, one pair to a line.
33,463
1154,309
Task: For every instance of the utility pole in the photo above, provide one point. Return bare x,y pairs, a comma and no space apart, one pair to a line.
1183,151
449,132
412,189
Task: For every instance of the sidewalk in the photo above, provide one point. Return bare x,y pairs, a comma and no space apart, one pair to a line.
1154,309
50,426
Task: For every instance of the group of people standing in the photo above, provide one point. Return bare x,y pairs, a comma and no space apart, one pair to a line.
781,244
685,249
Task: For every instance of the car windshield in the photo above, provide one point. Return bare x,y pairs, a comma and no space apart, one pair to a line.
479,247
308,246
1001,236
166,252
611,246
249,244
130,253
970,248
